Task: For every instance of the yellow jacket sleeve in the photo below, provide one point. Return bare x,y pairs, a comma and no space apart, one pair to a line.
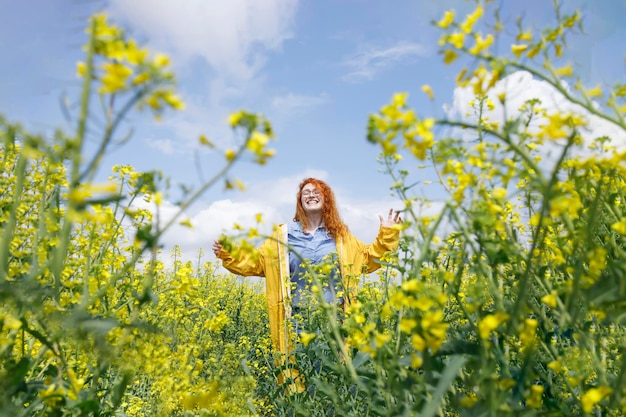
243,262
387,240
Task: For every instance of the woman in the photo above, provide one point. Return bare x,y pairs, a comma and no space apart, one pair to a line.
316,232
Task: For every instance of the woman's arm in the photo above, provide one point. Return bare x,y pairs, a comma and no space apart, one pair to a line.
387,240
240,261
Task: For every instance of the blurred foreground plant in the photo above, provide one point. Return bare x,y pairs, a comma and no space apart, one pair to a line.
510,299
79,301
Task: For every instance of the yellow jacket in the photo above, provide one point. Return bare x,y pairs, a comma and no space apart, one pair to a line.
271,261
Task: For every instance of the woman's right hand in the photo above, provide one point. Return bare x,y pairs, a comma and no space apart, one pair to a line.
217,247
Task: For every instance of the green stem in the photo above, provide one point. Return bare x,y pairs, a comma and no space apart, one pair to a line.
76,146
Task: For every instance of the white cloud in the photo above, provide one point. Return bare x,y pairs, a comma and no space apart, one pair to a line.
366,64
219,50
295,103
520,87
232,36
166,146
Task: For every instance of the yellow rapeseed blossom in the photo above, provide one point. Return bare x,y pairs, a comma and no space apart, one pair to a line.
528,333
418,343
429,91
489,323
9,322
446,20
518,49
555,365
482,44
565,71
525,36
134,54
161,60
407,325
456,39
620,226
142,78
593,396
595,92
471,19
257,142
114,78
550,299
230,154
416,361
449,56
307,338
381,338
80,69
534,399
235,118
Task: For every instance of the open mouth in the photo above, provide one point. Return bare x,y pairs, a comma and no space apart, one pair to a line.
312,201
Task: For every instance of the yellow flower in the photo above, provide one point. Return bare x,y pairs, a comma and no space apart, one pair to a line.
173,100
518,49
593,396
595,92
398,100
141,78
52,394
620,227
449,56
135,55
114,78
256,143
235,118
457,39
471,19
468,401
418,343
380,339
528,333
307,338
490,322
161,60
429,92
80,69
499,193
407,325
416,361
550,299
186,223
230,155
103,29
11,322
555,365
525,36
446,20
205,141
481,44
565,71
534,399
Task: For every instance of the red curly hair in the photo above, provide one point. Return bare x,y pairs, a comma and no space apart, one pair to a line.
330,215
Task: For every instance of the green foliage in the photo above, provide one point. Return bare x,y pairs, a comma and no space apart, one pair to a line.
92,323
511,300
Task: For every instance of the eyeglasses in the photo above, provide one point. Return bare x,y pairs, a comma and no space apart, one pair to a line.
307,193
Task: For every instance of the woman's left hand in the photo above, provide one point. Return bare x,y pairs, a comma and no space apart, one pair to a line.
391,219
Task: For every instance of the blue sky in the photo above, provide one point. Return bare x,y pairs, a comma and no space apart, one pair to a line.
315,68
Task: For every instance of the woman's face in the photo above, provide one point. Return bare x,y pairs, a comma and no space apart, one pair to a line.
311,198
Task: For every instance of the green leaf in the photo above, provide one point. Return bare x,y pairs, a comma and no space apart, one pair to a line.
449,374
